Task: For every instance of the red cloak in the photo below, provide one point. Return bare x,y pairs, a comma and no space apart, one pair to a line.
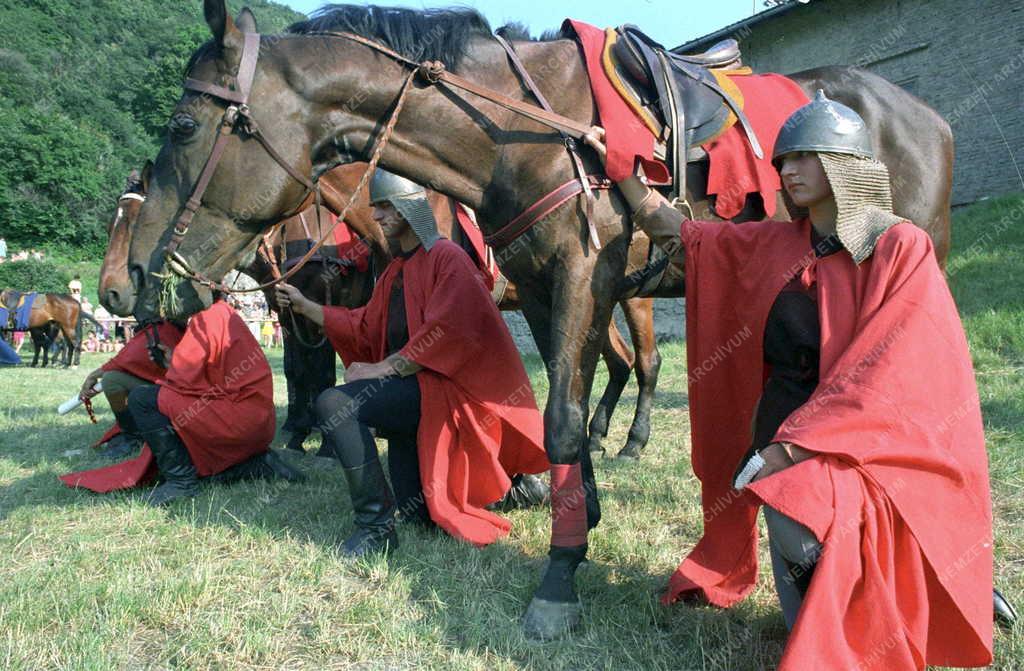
898,490
479,421
134,360
218,393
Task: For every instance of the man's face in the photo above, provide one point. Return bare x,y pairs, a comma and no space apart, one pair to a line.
391,222
804,178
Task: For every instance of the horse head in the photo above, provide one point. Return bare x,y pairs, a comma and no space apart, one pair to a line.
116,291
248,189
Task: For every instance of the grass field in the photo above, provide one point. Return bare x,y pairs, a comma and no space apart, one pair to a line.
248,576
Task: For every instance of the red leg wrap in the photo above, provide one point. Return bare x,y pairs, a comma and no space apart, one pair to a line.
568,506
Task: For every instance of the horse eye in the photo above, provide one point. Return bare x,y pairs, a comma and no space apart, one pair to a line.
182,125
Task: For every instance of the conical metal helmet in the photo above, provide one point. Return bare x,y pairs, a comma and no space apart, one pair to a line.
386,185
410,199
824,125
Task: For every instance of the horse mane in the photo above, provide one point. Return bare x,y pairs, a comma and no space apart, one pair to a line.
516,31
420,35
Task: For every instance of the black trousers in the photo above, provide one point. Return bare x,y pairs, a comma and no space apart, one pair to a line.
142,403
390,406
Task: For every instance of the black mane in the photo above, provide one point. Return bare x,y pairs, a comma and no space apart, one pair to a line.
421,35
516,31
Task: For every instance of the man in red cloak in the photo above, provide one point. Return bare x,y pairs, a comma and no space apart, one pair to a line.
131,367
836,340
212,414
430,366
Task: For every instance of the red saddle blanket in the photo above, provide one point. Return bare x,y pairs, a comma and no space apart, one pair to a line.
734,171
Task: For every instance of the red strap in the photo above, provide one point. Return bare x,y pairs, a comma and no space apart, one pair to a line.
542,208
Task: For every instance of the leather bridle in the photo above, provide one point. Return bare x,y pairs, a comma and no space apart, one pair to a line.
238,118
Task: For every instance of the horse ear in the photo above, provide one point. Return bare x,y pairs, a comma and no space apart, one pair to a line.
226,34
216,13
246,21
147,173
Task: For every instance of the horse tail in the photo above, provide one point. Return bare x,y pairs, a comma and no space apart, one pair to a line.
85,315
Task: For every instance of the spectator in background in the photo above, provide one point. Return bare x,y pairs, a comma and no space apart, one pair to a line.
74,286
87,306
3,249
267,332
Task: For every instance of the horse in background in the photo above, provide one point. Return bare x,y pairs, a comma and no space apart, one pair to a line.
51,314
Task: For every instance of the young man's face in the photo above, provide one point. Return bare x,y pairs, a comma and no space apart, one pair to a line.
391,222
804,179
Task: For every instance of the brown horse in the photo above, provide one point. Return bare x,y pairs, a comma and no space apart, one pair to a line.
321,100
51,315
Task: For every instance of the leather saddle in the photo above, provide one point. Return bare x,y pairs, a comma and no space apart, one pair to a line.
679,94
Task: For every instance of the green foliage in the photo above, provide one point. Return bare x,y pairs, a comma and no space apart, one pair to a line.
32,275
86,87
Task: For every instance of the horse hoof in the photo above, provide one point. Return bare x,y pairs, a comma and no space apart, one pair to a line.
549,620
629,453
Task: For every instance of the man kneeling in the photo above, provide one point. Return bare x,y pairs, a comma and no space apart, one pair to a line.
432,367
211,415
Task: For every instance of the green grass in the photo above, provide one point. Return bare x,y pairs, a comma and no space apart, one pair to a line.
248,576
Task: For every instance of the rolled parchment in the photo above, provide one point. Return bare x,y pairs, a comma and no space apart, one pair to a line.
72,403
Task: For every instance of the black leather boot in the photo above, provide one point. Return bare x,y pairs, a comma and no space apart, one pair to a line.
128,442
175,465
374,510
266,466
1005,613
527,491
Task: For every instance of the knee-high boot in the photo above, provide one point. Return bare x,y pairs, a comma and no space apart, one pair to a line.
374,509
175,465
126,443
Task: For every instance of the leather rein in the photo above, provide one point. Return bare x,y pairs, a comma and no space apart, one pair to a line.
238,118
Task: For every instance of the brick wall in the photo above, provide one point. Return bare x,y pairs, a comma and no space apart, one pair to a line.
965,59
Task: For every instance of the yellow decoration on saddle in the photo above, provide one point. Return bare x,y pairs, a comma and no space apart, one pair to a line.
722,76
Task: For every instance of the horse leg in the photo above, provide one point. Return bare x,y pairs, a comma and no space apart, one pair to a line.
37,343
640,318
575,331
72,344
298,421
323,376
618,357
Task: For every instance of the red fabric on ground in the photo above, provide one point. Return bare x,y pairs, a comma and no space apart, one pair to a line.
134,360
218,394
898,491
350,246
487,265
626,136
479,420
734,171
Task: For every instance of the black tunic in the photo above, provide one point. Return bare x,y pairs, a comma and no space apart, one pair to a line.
792,348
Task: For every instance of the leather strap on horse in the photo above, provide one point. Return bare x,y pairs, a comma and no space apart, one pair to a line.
435,73
542,208
570,143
